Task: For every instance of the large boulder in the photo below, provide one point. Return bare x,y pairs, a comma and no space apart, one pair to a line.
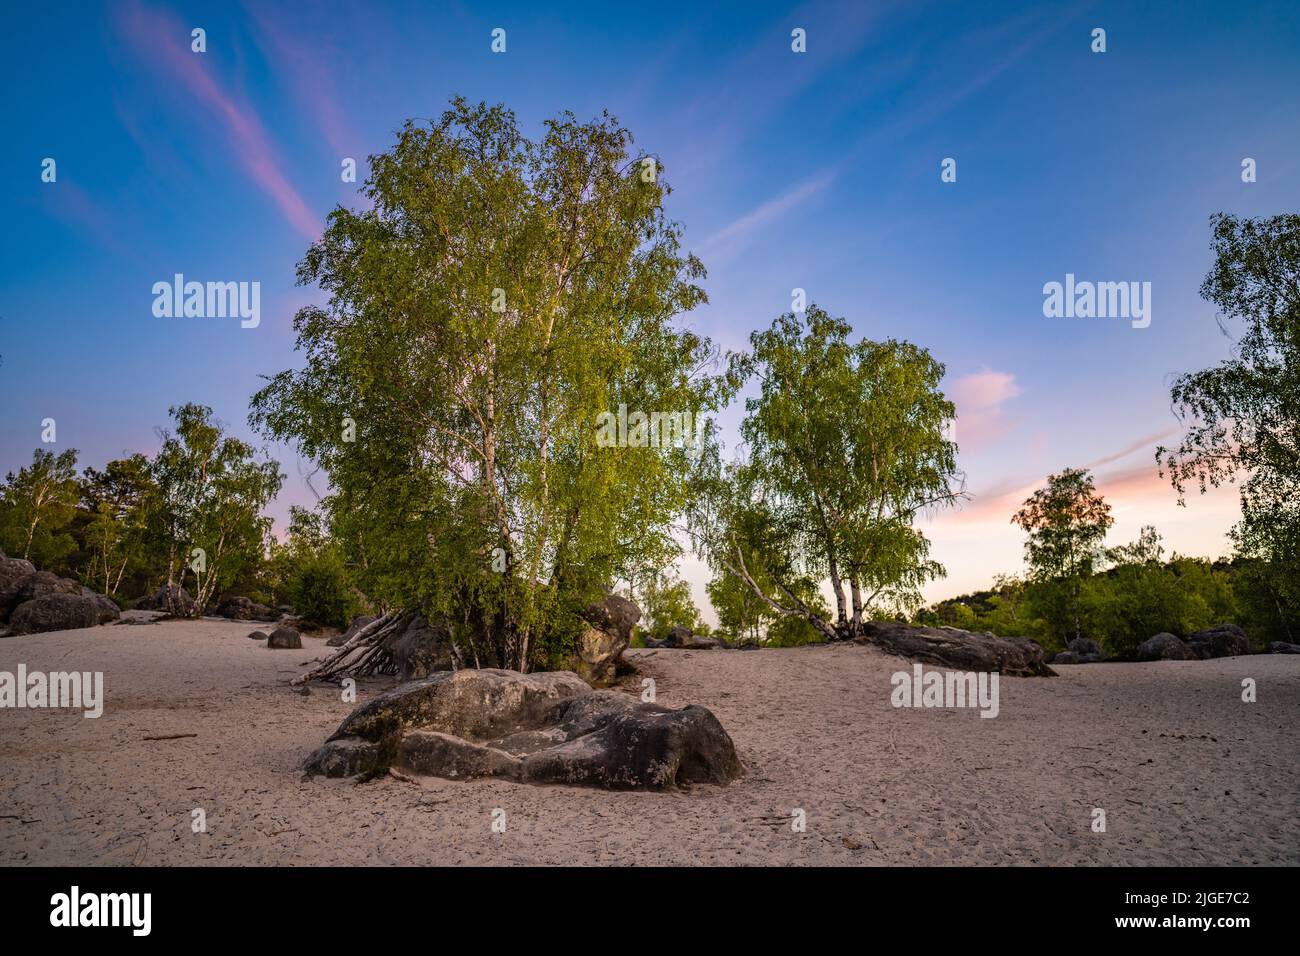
1283,647
603,641
284,638
534,728
1225,640
246,609
1165,647
959,650
60,611
1065,657
338,640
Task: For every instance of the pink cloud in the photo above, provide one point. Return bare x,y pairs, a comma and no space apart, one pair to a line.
161,38
979,398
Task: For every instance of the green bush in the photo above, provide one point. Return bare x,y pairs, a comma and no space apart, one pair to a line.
322,591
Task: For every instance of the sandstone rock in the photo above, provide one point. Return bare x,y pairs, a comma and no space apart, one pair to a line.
1225,640
959,650
14,573
537,728
420,649
60,612
284,638
602,643
1165,647
338,640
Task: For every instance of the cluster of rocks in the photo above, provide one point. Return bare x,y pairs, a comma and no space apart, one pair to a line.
1225,640
534,728
1081,650
683,638
246,609
32,602
280,639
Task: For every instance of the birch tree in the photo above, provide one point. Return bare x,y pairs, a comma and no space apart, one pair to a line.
499,294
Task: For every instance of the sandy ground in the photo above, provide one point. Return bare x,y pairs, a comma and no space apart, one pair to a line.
1186,772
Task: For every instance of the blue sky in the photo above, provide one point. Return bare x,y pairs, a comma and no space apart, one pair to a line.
818,170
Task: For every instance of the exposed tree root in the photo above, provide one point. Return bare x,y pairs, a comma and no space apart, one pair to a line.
363,654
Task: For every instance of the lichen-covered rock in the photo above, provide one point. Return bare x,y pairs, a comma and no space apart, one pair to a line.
959,650
1225,640
536,728
1165,647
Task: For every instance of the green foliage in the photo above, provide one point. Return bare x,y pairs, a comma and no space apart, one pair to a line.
36,506
116,543
1243,415
666,603
494,298
1135,595
309,571
322,591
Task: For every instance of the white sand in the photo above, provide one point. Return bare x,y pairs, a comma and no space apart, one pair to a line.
1186,772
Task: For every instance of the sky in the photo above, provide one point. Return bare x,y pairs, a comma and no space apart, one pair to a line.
819,170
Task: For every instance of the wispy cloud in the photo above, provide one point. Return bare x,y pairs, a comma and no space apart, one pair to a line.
161,39
729,239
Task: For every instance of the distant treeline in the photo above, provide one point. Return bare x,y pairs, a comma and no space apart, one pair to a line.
1130,599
